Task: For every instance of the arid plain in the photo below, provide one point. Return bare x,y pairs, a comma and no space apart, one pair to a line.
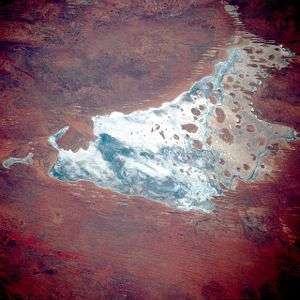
63,62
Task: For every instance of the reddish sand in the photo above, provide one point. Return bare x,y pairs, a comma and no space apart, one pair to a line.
77,241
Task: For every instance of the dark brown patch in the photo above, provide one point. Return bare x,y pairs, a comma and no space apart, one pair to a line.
249,50
212,99
197,144
222,186
226,136
247,92
246,167
195,111
210,85
250,128
227,173
220,115
190,127
273,148
209,140
252,65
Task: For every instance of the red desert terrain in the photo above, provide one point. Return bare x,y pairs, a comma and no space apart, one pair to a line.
62,62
